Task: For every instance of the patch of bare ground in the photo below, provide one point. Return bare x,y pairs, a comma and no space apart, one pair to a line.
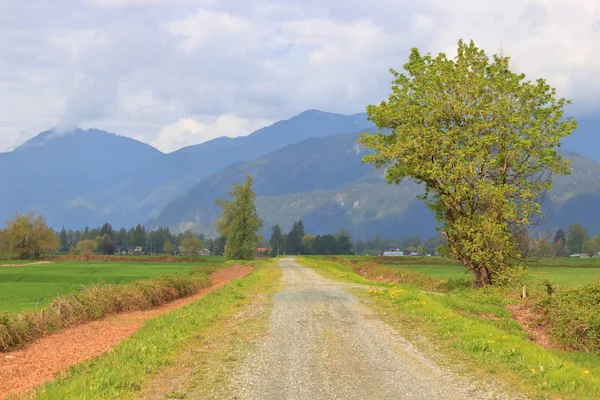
23,369
531,318
24,265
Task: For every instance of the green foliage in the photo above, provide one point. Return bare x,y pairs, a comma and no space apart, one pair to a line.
29,236
191,246
239,222
168,247
576,237
86,246
483,142
277,243
574,316
592,246
293,242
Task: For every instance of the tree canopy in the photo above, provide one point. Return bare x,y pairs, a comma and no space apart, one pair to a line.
239,222
483,142
29,236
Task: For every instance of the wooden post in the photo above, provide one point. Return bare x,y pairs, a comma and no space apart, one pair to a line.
524,294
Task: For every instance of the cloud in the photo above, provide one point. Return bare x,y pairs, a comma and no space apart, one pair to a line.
189,131
207,25
148,69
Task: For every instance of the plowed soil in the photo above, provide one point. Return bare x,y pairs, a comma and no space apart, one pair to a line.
24,369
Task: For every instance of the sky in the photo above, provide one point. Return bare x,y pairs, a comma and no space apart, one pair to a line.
175,73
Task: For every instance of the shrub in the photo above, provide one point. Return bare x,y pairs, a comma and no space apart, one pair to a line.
574,317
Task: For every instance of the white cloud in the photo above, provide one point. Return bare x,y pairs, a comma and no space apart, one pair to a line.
206,25
136,66
189,131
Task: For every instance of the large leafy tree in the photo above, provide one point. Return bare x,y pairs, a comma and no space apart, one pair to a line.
576,237
29,236
239,222
481,140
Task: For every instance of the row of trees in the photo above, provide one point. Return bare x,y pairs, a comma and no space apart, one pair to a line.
106,240
577,240
27,236
296,241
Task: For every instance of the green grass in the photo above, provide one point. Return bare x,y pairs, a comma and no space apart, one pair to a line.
472,328
123,371
558,275
34,286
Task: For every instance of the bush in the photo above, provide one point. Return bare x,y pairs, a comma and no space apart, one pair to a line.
96,302
574,317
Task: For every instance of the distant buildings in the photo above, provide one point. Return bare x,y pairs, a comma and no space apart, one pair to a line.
392,253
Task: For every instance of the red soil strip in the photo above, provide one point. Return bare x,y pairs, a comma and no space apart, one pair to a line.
531,319
22,370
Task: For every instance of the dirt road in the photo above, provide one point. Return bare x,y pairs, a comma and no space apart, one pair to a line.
322,344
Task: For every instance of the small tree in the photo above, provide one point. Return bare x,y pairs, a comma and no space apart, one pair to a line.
560,242
29,236
191,246
483,143
576,237
239,222
168,247
276,242
86,246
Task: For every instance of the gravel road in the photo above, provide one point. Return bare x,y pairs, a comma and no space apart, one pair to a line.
322,344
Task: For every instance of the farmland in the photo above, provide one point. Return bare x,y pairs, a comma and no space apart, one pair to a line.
34,286
558,275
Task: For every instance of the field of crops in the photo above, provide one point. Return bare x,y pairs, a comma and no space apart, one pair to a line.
34,286
563,276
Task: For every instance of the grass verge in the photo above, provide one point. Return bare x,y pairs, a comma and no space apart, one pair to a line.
122,372
473,329
96,302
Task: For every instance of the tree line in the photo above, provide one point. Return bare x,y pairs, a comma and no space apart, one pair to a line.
296,241
576,240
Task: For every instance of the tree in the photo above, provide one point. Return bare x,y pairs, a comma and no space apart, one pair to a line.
168,247
239,222
307,242
86,246
29,236
576,237
592,246
64,240
560,242
191,246
139,236
481,140
293,244
276,242
420,250
105,245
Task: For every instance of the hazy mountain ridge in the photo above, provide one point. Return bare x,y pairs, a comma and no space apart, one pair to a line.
87,177
324,183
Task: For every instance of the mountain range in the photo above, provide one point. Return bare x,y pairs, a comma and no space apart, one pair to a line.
307,167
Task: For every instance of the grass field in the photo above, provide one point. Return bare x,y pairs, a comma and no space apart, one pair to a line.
34,286
563,276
